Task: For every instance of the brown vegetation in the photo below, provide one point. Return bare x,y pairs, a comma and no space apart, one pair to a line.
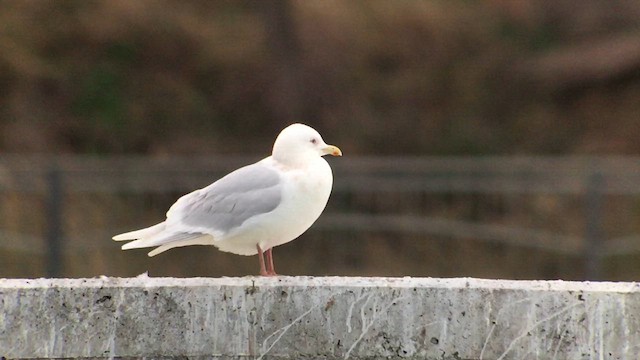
376,77
445,77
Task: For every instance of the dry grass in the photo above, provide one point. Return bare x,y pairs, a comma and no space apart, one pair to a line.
416,77
377,77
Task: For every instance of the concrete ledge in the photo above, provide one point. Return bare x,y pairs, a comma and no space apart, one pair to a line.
326,318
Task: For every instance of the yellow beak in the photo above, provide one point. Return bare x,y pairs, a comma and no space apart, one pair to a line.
332,150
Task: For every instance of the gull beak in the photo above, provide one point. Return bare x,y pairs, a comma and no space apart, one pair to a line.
332,150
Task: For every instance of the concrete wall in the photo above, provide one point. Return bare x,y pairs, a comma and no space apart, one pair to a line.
327,318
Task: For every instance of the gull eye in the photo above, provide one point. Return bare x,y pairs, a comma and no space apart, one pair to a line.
314,141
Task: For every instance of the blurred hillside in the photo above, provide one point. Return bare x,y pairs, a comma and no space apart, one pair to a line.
376,77
204,79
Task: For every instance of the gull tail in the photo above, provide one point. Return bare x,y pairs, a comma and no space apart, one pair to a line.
158,235
138,234
197,239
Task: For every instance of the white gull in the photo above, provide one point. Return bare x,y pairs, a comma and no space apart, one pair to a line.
252,209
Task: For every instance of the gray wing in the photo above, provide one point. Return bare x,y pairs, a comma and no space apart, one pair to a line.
226,204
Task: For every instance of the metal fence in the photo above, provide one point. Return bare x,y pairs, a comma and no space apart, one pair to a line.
385,195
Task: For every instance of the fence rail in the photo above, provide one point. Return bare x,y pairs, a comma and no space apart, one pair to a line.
432,174
591,178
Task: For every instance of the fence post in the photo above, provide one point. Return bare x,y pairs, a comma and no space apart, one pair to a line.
594,234
54,222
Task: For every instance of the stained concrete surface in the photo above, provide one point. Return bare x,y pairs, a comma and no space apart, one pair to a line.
325,318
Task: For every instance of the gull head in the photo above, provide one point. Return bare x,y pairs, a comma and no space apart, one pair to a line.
299,142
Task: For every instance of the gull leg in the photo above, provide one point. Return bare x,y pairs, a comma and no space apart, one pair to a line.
271,270
263,270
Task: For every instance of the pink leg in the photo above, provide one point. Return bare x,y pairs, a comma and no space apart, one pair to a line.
263,270
271,270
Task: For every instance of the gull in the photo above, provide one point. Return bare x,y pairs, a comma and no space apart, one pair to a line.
252,209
